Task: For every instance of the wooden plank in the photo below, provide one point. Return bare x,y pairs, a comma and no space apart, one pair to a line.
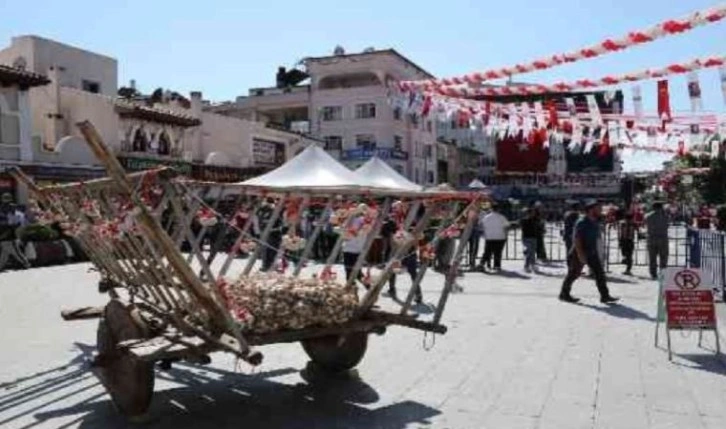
82,313
407,321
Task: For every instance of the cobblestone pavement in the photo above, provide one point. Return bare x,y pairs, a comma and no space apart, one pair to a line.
514,357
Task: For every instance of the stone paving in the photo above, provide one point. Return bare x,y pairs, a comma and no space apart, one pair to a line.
514,357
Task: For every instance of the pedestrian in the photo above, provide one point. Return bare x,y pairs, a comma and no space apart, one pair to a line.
353,245
474,240
656,223
585,251
530,231
494,228
541,231
571,216
626,240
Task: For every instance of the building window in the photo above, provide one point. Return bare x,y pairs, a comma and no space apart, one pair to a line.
398,142
365,141
399,169
416,176
428,151
332,113
333,143
430,176
91,86
414,120
365,111
429,127
397,113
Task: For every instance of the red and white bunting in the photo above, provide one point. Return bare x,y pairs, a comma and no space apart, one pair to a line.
582,84
632,38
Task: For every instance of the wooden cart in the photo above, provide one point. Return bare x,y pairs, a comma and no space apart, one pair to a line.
166,305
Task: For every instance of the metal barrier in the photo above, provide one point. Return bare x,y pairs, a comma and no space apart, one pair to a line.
707,251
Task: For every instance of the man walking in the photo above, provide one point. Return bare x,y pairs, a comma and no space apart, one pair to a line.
626,239
494,227
656,223
530,231
571,217
541,231
585,251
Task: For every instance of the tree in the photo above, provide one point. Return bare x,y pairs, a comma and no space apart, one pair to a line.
128,92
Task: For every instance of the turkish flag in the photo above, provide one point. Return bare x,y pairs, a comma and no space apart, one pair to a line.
515,153
664,101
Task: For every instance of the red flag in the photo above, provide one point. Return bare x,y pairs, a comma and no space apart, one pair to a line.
681,148
426,106
664,102
604,145
552,109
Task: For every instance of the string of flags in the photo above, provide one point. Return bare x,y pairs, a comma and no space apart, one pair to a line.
633,38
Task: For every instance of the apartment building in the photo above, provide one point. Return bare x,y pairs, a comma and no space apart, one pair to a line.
143,131
343,99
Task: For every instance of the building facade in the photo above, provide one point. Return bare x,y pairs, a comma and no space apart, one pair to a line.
344,101
82,85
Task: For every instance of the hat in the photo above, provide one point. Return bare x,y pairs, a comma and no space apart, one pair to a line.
591,203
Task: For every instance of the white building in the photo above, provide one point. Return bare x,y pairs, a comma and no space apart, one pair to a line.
144,134
345,103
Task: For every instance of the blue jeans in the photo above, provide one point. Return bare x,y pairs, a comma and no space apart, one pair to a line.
530,251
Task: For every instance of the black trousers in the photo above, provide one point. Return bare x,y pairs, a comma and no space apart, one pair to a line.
626,248
349,260
411,264
541,252
474,247
574,270
493,248
270,251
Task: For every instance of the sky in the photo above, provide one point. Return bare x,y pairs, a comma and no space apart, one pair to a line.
225,47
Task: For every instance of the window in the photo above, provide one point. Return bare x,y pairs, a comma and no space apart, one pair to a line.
428,151
91,86
398,142
416,176
414,119
333,143
430,175
365,111
399,169
397,113
429,126
332,113
365,141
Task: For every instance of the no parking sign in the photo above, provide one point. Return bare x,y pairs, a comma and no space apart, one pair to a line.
688,303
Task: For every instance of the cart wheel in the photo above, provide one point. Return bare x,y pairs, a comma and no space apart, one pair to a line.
329,355
128,380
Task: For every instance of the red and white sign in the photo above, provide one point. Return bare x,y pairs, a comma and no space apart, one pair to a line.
689,301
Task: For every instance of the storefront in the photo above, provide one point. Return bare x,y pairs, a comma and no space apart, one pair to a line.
196,171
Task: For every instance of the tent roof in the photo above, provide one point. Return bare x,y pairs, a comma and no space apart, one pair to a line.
312,168
377,173
476,184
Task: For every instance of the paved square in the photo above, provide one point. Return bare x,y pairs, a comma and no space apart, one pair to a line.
514,357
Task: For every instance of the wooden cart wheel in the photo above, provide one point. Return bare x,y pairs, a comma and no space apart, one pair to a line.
328,354
128,380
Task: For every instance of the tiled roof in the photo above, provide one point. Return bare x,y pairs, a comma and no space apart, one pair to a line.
155,114
24,79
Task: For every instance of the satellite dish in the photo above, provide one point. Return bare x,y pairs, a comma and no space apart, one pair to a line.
338,50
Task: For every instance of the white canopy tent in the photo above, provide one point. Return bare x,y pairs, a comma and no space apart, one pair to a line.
312,168
477,184
377,173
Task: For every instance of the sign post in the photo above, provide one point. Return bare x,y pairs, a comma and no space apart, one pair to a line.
689,304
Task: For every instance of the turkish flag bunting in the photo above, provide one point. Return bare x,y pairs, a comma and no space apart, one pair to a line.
552,109
604,145
664,102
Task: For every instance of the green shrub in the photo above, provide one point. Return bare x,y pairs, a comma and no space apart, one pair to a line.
37,232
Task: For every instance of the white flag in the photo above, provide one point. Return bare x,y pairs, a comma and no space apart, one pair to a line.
637,101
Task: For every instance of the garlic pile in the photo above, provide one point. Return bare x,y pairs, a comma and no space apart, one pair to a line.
267,302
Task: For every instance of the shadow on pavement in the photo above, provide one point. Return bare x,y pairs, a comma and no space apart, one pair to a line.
620,310
511,275
708,361
207,397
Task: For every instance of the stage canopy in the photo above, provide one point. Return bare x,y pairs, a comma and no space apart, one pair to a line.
313,167
377,173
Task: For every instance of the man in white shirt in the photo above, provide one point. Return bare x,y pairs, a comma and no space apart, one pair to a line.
494,229
353,247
